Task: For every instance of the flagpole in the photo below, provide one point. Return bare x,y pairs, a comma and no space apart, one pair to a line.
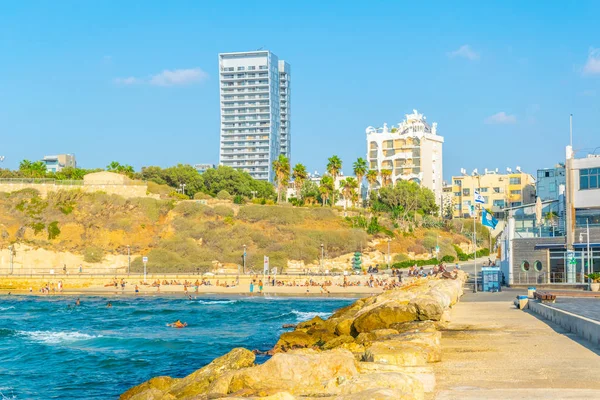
474,236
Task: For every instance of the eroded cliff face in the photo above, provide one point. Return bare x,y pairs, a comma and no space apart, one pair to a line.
380,347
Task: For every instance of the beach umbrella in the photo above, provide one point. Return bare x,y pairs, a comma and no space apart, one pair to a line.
538,211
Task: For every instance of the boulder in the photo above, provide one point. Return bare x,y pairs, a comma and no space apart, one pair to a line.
337,342
385,380
427,308
344,327
276,396
194,384
302,372
199,381
383,317
397,353
415,326
293,340
149,390
423,374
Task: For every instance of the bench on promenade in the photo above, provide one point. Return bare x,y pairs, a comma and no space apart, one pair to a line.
545,297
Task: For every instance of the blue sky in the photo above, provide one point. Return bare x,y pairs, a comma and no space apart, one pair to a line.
500,78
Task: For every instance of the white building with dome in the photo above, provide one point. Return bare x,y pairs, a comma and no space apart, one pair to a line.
412,150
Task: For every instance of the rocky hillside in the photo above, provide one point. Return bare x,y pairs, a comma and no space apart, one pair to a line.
185,235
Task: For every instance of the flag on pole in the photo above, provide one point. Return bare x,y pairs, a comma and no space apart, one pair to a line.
479,198
487,219
266,266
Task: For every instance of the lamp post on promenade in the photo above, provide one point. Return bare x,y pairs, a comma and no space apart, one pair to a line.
11,248
389,240
128,259
244,261
322,256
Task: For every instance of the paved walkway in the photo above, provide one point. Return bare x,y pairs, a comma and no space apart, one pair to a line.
589,308
493,351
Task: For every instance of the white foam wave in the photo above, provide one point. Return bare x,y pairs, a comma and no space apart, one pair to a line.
49,337
305,316
217,301
7,308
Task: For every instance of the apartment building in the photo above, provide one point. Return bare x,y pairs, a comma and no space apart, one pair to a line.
500,191
57,162
285,109
251,118
549,181
412,151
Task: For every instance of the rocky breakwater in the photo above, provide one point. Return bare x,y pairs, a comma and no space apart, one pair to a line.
379,347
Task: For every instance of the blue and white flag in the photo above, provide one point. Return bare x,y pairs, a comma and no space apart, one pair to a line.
479,198
487,219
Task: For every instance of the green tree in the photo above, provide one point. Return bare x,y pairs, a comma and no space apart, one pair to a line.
360,168
385,176
281,168
334,168
119,168
326,188
300,175
404,199
348,187
372,178
30,169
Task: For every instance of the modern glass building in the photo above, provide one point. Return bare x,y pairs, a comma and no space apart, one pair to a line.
255,105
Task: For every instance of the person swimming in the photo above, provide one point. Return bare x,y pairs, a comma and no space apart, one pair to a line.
77,302
178,324
109,305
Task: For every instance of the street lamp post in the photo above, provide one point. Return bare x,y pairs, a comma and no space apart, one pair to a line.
11,249
322,255
244,261
128,259
388,257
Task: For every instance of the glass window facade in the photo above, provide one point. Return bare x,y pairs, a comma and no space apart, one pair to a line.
588,178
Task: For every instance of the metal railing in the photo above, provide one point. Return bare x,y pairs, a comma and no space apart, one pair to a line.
532,277
66,182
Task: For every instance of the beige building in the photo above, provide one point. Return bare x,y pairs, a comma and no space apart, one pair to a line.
58,162
499,191
412,150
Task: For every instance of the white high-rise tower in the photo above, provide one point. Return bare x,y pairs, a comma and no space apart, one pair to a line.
254,88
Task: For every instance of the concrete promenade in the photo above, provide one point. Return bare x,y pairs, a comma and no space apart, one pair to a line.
493,351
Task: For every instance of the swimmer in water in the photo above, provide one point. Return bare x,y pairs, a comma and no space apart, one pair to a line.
109,305
178,324
77,302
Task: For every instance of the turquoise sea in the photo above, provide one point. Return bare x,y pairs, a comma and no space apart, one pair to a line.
52,349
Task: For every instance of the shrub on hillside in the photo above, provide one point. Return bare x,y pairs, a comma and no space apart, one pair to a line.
93,254
53,230
239,199
224,211
151,208
202,196
448,259
417,249
276,215
189,208
223,195
400,258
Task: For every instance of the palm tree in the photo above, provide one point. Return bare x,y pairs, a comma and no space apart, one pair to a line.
348,186
334,167
300,175
326,187
385,176
281,167
360,168
372,177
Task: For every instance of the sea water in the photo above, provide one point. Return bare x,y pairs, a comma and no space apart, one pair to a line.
52,349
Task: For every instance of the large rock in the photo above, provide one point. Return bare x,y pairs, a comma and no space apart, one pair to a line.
152,389
415,326
427,308
378,380
194,384
337,342
400,353
301,372
423,374
384,316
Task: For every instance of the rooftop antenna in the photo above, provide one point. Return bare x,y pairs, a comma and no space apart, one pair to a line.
571,129
261,47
